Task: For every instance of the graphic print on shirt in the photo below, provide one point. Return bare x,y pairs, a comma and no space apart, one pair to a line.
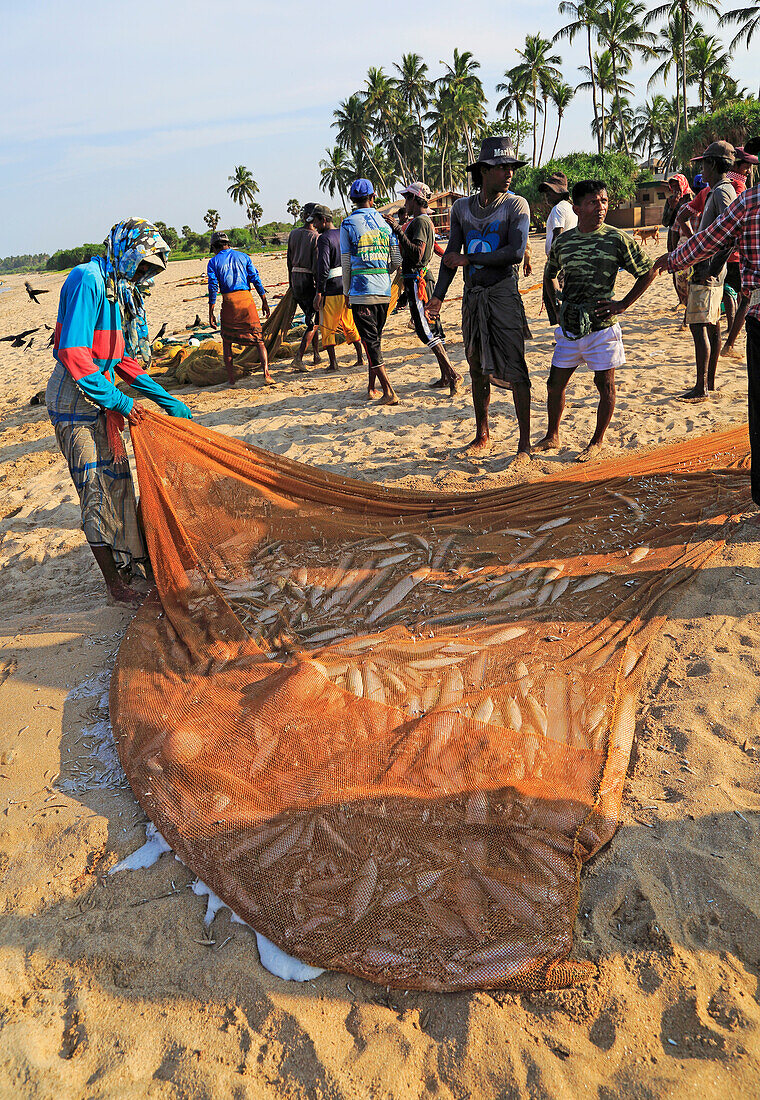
485,239
372,248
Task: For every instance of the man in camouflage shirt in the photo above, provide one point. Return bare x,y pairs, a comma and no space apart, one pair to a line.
589,257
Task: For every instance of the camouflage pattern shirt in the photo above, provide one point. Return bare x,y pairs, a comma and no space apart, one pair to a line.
590,263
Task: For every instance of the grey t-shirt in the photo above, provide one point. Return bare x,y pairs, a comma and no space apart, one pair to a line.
713,271
492,237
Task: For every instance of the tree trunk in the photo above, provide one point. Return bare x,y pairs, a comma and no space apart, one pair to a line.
556,136
543,130
599,129
422,147
468,143
379,173
619,105
533,161
602,125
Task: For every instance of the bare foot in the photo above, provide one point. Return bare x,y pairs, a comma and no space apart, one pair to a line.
522,458
548,443
438,384
268,379
478,445
694,395
730,352
454,384
593,450
390,398
317,360
371,392
123,593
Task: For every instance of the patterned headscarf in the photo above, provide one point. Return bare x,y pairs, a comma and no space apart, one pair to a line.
683,185
127,245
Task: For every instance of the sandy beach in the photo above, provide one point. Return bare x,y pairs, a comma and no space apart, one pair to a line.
112,986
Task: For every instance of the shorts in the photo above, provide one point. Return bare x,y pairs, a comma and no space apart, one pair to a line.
733,277
429,334
304,290
335,315
370,321
601,350
703,306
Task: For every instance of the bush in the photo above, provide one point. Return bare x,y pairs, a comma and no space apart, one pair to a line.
11,264
70,257
735,122
619,172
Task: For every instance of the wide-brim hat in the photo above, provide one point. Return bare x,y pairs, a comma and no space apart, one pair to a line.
747,155
721,150
752,146
418,189
497,150
557,184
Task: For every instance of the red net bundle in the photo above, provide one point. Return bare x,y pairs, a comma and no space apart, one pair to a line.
388,728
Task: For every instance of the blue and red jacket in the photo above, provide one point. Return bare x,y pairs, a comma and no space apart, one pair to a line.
89,343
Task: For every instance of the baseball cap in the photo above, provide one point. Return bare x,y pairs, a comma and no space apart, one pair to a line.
321,211
418,189
361,189
219,238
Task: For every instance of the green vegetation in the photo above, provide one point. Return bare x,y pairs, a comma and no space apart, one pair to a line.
734,123
620,172
10,265
65,258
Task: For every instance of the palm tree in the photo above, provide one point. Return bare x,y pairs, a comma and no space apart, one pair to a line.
243,186
414,89
336,173
651,122
381,103
294,209
685,10
353,125
582,20
601,73
721,89
255,214
440,120
546,85
748,18
211,218
621,120
705,59
619,25
514,98
536,66
467,95
561,96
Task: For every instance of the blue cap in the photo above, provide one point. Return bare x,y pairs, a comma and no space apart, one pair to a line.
361,189
699,182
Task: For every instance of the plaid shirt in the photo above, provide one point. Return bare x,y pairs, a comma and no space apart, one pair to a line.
738,226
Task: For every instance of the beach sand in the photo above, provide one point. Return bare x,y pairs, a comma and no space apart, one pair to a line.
106,986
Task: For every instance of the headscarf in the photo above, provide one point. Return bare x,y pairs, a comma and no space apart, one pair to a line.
127,245
683,187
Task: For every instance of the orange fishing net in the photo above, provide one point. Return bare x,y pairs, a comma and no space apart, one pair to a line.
388,728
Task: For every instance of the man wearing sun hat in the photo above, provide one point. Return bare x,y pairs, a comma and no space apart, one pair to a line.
556,192
737,227
416,242
368,254
491,227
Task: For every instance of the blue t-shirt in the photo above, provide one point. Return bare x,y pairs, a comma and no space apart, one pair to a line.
231,270
366,239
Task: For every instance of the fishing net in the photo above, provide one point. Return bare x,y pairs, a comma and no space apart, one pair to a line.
388,728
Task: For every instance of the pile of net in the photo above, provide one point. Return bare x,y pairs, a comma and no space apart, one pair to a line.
388,728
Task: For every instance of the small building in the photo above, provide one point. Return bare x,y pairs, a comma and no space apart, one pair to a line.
439,204
645,208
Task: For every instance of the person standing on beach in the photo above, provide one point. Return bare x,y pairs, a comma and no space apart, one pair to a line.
737,227
680,196
590,256
706,284
734,321
368,254
329,302
302,267
233,273
492,228
101,329
561,215
416,242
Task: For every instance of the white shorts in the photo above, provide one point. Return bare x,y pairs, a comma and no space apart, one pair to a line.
599,350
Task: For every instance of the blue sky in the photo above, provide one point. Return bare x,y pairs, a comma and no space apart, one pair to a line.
145,108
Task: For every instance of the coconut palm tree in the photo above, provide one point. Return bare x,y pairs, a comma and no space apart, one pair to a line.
705,58
651,122
748,19
514,98
721,89
243,186
561,96
381,104
336,173
441,123
414,89
604,77
255,214
467,96
353,126
537,66
582,21
619,26
685,10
